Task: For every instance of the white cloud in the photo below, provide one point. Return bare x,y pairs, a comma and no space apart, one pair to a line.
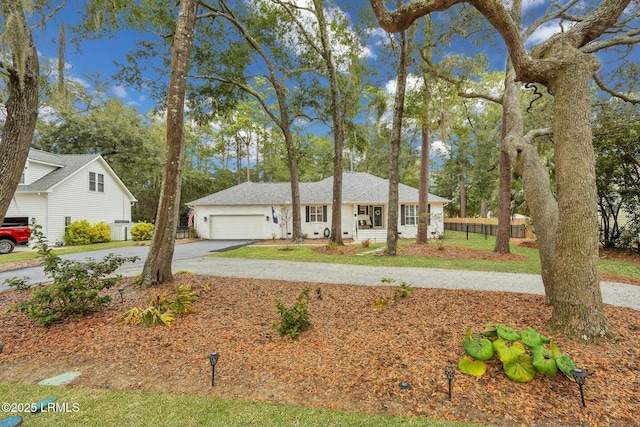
119,91
544,32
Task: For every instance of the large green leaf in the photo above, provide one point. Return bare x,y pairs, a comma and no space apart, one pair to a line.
472,367
543,361
520,369
531,337
507,333
479,348
506,352
555,351
566,364
491,330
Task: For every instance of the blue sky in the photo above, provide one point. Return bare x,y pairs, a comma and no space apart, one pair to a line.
98,56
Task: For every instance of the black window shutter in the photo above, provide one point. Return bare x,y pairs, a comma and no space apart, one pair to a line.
324,213
429,208
401,214
307,213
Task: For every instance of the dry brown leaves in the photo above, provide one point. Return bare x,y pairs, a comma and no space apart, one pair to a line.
352,359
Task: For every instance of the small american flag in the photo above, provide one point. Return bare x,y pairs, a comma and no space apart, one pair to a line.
192,213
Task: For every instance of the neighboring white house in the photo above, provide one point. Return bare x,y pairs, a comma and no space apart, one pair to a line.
57,189
263,210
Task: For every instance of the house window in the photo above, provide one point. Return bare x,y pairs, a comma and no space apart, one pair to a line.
411,215
22,178
67,223
316,214
96,182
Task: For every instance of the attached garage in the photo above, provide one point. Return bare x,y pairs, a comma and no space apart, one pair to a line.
234,227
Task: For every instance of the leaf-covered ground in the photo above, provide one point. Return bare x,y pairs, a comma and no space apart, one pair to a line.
353,358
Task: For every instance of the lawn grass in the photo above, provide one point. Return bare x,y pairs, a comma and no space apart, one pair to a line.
17,256
88,407
530,265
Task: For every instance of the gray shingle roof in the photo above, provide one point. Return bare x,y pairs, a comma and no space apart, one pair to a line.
67,165
357,187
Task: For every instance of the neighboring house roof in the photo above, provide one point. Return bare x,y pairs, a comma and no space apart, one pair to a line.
66,165
357,187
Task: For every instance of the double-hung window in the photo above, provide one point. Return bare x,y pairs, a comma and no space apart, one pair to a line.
315,214
96,182
411,214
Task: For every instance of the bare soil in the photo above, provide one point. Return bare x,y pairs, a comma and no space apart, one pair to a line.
353,358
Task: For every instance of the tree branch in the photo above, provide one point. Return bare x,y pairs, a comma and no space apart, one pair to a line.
536,133
612,92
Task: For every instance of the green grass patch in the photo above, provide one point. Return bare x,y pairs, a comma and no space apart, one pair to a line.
88,407
32,254
530,265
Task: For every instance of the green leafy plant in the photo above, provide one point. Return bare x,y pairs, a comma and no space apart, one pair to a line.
523,354
295,319
83,233
77,286
162,310
142,231
405,290
318,293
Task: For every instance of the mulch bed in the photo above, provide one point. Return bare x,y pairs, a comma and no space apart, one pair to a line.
352,359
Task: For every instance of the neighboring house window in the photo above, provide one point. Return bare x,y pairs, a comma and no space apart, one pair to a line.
22,179
67,223
409,214
316,214
96,182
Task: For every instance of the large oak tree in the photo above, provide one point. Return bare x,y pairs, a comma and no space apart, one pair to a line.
565,65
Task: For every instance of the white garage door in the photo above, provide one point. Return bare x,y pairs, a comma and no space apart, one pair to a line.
230,227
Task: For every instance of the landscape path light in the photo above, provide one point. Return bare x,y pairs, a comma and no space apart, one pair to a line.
450,373
580,376
213,359
121,292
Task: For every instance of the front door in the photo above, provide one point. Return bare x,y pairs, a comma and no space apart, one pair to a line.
378,220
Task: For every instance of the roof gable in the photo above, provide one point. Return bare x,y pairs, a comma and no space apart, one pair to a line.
357,187
66,166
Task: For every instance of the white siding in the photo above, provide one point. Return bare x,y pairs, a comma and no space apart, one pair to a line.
34,171
72,198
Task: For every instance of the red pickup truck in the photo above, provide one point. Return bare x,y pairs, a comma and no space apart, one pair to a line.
12,236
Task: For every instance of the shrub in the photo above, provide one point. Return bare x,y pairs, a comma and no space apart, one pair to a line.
78,233
294,319
100,233
76,288
83,233
366,243
162,310
142,231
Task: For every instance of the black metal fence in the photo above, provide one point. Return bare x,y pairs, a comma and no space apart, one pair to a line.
518,231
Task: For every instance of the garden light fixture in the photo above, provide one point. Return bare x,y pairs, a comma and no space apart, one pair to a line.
121,292
405,386
580,376
213,359
450,372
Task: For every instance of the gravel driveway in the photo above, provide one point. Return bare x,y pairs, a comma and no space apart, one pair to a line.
194,258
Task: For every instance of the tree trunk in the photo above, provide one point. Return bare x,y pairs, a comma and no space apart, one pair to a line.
338,125
577,304
423,187
157,267
512,129
504,201
535,177
463,191
406,47
21,110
